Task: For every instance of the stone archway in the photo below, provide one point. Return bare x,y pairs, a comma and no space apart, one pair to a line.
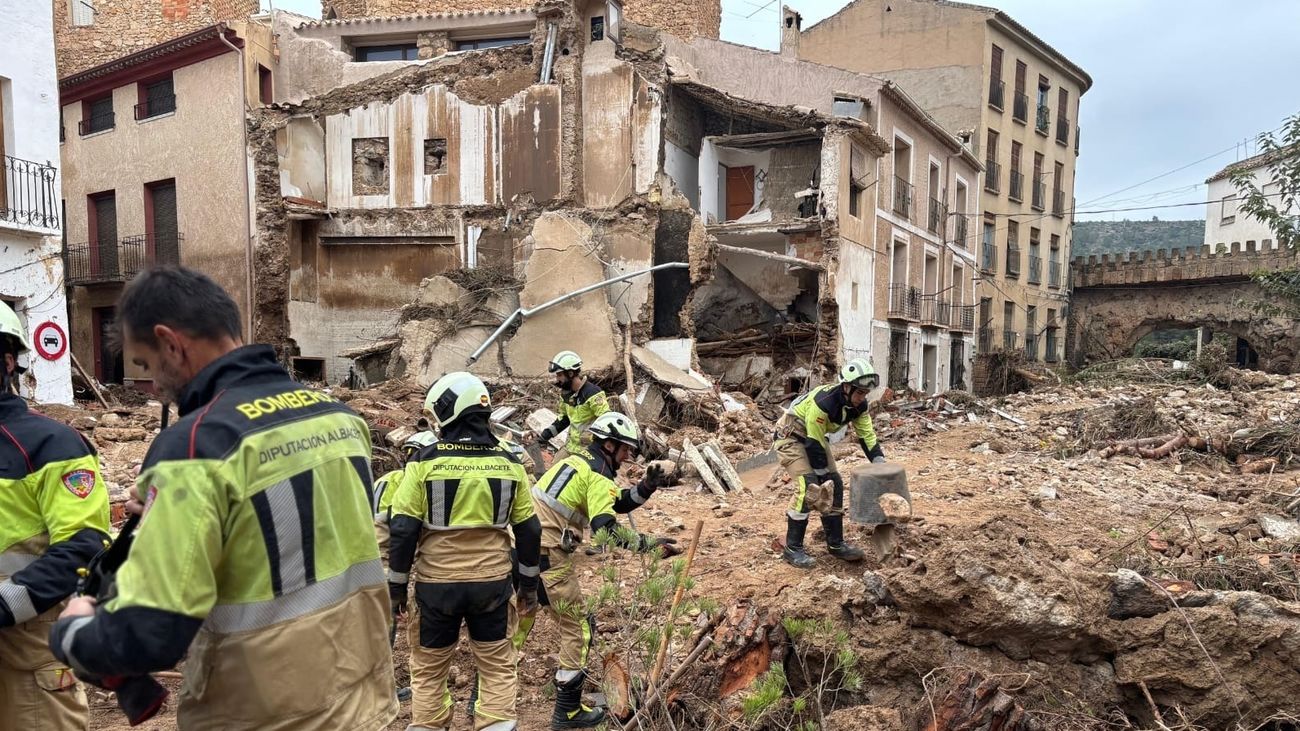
1109,321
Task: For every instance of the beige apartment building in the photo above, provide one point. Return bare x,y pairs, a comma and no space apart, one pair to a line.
1015,99
155,171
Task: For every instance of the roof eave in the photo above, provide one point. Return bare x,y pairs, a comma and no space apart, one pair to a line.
1009,24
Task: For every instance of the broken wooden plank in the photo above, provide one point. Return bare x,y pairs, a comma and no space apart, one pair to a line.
722,466
702,466
1008,417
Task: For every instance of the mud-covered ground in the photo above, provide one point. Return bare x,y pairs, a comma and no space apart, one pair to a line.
1031,560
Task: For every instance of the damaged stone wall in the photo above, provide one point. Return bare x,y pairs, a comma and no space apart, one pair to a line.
682,18
108,29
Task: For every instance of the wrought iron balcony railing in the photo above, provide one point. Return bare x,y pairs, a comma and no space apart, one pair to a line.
1054,273
989,257
903,197
904,302
1017,185
1013,260
938,213
156,107
992,176
935,310
997,91
97,123
963,318
1058,203
1020,107
985,343
27,194
960,227
1040,195
1009,339
1044,119
1035,269
1031,345
97,262
1063,129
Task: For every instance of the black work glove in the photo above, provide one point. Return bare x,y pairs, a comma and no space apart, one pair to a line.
655,478
526,602
667,546
397,598
548,434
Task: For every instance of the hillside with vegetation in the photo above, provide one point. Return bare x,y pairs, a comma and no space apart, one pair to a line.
1117,237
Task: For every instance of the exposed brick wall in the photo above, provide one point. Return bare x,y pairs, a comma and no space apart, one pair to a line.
683,18
123,27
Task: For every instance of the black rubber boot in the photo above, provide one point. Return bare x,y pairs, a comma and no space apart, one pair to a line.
569,711
793,553
834,527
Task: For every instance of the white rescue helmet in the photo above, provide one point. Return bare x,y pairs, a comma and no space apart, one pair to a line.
616,426
566,360
859,374
455,395
12,327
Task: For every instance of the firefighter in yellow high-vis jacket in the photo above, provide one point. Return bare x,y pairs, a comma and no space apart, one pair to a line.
255,559
451,524
53,520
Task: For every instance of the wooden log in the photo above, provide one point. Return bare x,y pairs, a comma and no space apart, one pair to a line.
672,608
702,466
1165,449
94,387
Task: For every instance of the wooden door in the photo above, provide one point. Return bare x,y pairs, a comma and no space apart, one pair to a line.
740,191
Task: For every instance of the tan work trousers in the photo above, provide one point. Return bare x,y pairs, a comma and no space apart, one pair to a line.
815,496
37,693
434,631
561,595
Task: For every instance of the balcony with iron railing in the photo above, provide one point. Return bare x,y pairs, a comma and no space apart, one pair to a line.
938,214
1020,107
156,107
963,318
960,229
1043,122
988,257
1010,338
1031,345
997,92
96,123
1013,260
904,302
1016,189
28,198
1058,203
903,196
1040,195
1054,273
96,262
985,340
935,311
1035,269
1050,346
992,176
1078,132
1063,130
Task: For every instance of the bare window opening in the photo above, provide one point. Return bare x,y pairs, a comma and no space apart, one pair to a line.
309,370
856,193
435,156
81,12
598,28
370,166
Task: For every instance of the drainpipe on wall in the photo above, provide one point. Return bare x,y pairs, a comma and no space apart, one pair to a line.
248,221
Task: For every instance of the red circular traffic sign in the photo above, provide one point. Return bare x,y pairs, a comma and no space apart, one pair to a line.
49,340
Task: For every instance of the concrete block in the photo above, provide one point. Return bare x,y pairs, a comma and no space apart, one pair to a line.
429,354
649,402
664,372
542,418
717,459
677,351
440,291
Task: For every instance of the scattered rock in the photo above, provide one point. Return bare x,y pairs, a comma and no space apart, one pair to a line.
1279,528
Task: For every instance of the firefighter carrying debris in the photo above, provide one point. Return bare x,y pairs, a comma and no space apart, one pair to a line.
805,452
576,492
256,553
451,517
581,402
53,520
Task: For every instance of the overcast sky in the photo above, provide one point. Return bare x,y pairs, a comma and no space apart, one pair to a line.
1174,82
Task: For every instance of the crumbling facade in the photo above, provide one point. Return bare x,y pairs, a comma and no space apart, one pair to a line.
1016,100
89,33
415,204
154,173
682,18
31,272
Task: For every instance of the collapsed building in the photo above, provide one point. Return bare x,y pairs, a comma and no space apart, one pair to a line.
411,202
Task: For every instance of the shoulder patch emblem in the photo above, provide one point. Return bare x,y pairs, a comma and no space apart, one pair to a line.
80,483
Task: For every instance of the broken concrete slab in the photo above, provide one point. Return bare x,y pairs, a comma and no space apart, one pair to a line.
664,372
440,291
1279,528
649,402
562,262
542,418
430,353
677,351
702,467
721,466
